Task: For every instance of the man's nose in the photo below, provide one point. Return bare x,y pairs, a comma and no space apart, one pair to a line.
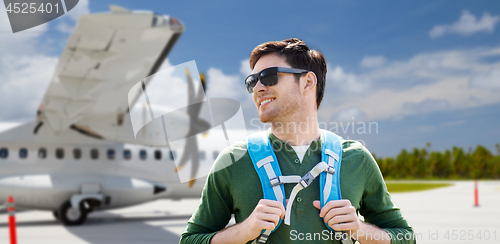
259,87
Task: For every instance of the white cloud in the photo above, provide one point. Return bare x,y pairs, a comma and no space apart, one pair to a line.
433,66
426,106
446,80
438,30
390,103
25,70
67,22
490,80
350,114
223,85
65,27
25,42
245,67
24,81
80,9
347,82
468,24
373,61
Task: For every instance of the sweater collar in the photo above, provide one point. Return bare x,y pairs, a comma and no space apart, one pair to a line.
279,144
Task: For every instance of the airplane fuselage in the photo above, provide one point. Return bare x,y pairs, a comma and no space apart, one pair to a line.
41,172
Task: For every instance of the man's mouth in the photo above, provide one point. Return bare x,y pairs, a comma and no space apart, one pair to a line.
266,101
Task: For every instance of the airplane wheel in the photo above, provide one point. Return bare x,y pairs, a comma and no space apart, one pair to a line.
72,216
56,214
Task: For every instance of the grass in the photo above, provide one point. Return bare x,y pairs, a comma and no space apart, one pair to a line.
394,187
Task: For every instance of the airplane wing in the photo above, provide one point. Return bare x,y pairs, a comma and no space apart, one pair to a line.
106,55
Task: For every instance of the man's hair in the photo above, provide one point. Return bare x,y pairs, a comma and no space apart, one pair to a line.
297,55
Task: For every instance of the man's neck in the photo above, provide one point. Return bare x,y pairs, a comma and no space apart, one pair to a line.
298,132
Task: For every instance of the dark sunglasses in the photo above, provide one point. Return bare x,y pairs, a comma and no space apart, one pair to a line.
269,76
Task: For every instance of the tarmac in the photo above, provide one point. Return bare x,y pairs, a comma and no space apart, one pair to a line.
445,215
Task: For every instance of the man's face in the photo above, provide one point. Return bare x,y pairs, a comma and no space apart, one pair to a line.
281,102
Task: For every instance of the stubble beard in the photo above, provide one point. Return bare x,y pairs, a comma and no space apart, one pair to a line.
282,112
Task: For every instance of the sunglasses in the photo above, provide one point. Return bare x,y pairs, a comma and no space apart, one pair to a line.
269,76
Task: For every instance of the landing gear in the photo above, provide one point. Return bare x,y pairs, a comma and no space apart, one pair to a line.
56,214
71,216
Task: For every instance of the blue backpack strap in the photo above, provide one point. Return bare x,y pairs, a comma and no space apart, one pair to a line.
329,184
266,165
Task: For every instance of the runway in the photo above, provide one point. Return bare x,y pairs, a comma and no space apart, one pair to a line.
445,215
161,221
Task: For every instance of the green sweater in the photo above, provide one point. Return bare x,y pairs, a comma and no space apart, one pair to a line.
233,187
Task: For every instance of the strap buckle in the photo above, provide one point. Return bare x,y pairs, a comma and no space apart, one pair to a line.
275,181
262,238
330,170
306,180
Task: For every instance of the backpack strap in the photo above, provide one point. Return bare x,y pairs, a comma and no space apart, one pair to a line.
331,153
329,183
303,183
267,167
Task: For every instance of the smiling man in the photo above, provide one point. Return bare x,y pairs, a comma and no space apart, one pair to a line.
287,85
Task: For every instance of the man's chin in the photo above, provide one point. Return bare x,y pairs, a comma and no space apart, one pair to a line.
264,118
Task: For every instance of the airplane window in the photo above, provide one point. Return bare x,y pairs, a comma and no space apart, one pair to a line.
216,154
127,154
202,155
111,154
143,154
23,153
94,153
42,153
77,153
4,152
59,153
172,155
157,154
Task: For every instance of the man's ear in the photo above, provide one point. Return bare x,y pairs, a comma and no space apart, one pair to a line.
310,82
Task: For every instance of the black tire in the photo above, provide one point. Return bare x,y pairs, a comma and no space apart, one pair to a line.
56,214
70,216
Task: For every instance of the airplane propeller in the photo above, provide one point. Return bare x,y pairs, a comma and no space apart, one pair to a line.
195,126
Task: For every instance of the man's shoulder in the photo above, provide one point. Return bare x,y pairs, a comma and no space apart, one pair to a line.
230,155
235,149
352,145
354,150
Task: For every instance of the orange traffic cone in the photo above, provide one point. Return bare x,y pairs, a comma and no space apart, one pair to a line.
11,209
476,195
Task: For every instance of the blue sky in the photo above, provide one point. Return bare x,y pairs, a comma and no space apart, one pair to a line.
423,71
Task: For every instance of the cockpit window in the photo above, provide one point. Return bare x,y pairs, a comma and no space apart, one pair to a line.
4,152
23,153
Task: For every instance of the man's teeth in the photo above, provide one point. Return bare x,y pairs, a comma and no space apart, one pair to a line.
266,101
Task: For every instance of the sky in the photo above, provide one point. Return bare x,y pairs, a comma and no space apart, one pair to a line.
400,73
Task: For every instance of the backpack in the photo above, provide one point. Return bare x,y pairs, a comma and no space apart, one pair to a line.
266,164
